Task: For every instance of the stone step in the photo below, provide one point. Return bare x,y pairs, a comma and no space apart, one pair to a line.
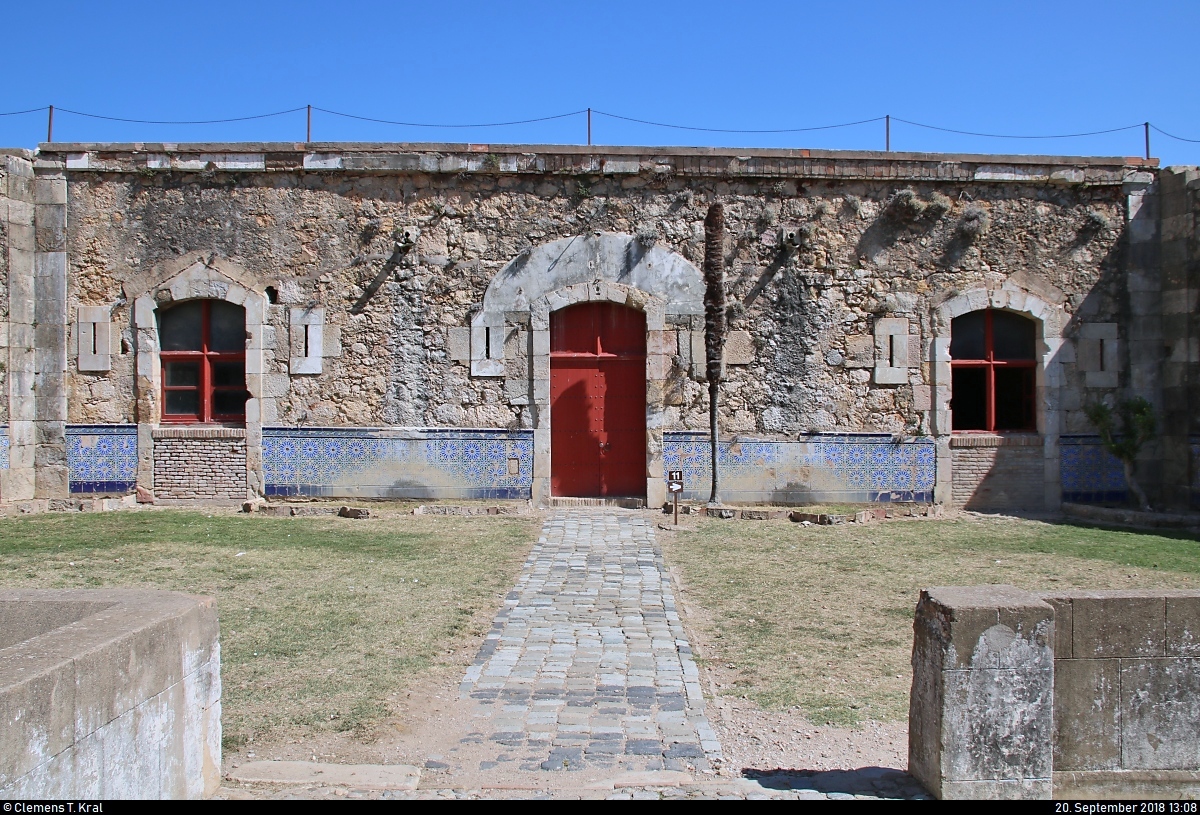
623,503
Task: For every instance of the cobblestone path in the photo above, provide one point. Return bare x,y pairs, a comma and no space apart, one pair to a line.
587,664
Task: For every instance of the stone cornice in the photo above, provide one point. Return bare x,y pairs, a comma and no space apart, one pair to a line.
691,162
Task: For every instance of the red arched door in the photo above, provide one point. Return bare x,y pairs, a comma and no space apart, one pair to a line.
598,401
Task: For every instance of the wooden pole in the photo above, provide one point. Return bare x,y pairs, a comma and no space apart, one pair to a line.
887,133
308,132
589,127
1147,126
50,125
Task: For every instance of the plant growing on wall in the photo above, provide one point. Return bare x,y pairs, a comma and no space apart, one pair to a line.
714,325
1137,426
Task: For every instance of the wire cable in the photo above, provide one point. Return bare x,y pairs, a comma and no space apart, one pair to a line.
1172,136
727,130
599,113
421,124
198,122
1008,136
19,112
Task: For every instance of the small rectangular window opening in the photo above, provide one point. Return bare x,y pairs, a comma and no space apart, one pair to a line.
307,329
1102,355
892,351
487,342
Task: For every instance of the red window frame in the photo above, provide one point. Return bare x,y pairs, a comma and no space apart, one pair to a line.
204,387
989,363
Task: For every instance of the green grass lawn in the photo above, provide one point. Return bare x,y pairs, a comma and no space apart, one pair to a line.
820,617
322,618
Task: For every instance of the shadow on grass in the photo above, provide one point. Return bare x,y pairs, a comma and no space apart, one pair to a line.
1168,549
880,782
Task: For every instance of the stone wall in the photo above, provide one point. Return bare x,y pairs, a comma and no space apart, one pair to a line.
1076,694
17,320
1180,195
324,236
193,463
381,261
1126,693
998,473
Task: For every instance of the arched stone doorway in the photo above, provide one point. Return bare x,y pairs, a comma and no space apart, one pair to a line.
598,401
510,336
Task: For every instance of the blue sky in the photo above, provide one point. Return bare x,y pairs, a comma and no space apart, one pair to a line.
1014,67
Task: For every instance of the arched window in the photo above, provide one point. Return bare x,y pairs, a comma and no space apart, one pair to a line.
203,362
993,364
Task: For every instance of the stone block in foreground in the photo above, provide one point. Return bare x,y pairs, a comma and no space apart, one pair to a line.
108,694
980,718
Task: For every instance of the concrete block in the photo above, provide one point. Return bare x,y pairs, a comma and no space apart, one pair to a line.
1099,331
275,386
50,230
516,391
487,367
1101,379
50,269
1160,714
657,367
982,690
50,191
331,341
739,348
458,344
1087,734
661,342
254,362
1183,627
144,311
110,736
1105,628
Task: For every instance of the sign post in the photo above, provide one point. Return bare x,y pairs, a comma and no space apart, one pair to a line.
675,486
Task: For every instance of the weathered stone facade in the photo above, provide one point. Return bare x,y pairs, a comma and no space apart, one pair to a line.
393,287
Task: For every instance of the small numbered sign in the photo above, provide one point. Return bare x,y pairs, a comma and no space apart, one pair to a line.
675,475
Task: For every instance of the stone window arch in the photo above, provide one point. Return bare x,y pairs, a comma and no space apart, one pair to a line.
993,367
203,359
1046,320
204,277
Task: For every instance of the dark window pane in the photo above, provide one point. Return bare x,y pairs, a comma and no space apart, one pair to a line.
183,403
969,398
182,374
966,336
179,327
226,327
229,403
226,374
1012,336
1014,399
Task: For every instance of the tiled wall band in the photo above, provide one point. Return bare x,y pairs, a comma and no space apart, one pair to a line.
102,459
857,467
